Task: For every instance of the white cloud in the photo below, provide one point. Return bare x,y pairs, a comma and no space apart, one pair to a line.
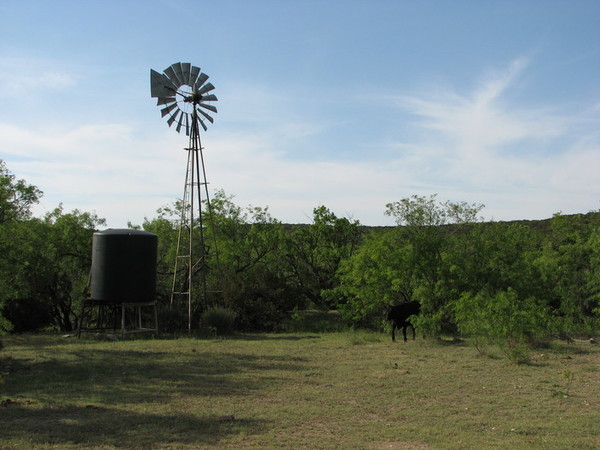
476,146
523,162
23,78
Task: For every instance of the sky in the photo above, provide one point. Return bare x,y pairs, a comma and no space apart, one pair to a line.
348,104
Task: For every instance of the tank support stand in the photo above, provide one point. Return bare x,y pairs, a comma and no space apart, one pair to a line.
126,318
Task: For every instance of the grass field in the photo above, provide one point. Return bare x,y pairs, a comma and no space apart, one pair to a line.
302,390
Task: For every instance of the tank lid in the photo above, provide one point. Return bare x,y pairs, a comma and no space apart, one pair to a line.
124,232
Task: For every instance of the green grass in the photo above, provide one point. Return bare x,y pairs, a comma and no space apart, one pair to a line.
295,390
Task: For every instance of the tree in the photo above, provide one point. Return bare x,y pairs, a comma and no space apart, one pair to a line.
248,270
424,223
16,197
406,263
46,267
314,252
16,200
378,274
568,263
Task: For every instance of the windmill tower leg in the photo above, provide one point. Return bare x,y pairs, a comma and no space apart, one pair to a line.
191,260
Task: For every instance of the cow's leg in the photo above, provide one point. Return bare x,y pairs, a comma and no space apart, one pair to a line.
393,331
404,331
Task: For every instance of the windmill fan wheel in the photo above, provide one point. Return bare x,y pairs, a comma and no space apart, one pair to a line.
184,95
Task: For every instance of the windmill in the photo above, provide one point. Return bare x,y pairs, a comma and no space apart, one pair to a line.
184,96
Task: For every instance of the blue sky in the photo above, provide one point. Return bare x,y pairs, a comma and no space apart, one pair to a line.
347,104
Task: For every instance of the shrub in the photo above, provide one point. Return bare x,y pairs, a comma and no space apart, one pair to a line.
171,319
27,314
219,319
503,319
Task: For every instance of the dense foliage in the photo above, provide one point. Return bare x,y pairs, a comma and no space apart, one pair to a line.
509,283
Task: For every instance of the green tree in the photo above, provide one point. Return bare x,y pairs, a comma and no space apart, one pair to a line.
495,257
378,274
503,318
249,269
568,263
46,267
407,263
314,253
424,224
16,197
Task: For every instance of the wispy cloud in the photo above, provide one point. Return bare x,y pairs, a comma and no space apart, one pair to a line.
481,121
475,145
482,141
21,77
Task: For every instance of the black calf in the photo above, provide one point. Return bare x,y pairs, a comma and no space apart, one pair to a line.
399,315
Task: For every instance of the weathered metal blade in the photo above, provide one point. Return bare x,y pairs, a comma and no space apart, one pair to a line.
172,76
185,68
180,122
206,88
200,81
173,117
194,75
168,109
210,119
165,100
179,73
209,107
203,125
160,85
209,98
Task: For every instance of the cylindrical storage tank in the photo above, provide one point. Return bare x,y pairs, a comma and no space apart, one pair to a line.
123,266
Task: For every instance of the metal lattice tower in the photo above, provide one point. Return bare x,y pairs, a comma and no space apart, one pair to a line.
184,92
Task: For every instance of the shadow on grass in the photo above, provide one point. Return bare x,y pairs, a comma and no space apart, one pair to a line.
130,376
100,426
275,337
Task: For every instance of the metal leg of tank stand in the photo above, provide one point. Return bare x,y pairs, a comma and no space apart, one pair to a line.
122,320
137,319
155,318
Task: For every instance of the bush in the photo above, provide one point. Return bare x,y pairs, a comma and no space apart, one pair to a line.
171,319
220,320
503,319
27,314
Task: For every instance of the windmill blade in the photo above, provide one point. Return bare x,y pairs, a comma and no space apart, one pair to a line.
203,125
165,100
206,88
173,117
179,72
160,85
168,109
185,68
172,76
200,81
165,88
209,98
209,107
180,122
194,75
209,118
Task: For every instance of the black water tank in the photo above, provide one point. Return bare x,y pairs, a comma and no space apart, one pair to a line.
123,266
